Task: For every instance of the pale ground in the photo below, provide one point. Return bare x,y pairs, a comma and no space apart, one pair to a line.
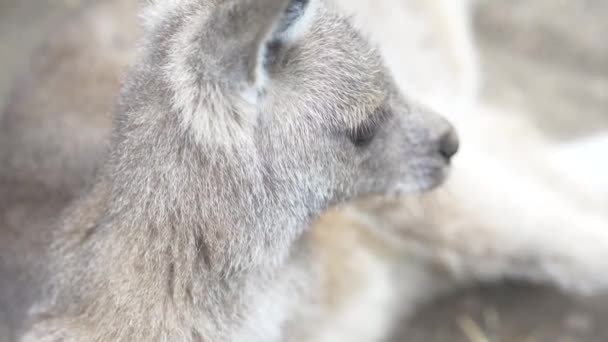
547,56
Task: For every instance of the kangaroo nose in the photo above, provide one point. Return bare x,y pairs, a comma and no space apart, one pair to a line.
449,144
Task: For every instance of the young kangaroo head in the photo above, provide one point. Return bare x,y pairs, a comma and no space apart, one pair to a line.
298,94
240,121
258,113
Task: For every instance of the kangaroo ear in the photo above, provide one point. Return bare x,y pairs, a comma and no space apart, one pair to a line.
248,32
152,11
295,21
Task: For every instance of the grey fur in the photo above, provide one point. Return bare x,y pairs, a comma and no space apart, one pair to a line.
222,154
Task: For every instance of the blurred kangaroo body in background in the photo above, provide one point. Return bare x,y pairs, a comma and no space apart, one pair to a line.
478,228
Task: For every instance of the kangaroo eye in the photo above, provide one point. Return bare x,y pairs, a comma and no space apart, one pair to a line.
363,134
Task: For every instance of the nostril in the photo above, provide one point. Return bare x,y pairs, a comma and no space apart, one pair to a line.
449,144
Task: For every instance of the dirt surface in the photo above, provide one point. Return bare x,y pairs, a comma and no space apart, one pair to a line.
509,313
547,57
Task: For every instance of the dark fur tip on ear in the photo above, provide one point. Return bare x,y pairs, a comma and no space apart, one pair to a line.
295,10
294,13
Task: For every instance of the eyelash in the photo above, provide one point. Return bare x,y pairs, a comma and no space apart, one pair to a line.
363,134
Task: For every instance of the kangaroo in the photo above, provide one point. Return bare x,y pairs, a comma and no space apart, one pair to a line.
351,276
239,123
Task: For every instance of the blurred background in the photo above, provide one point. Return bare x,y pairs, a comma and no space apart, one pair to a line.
548,58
